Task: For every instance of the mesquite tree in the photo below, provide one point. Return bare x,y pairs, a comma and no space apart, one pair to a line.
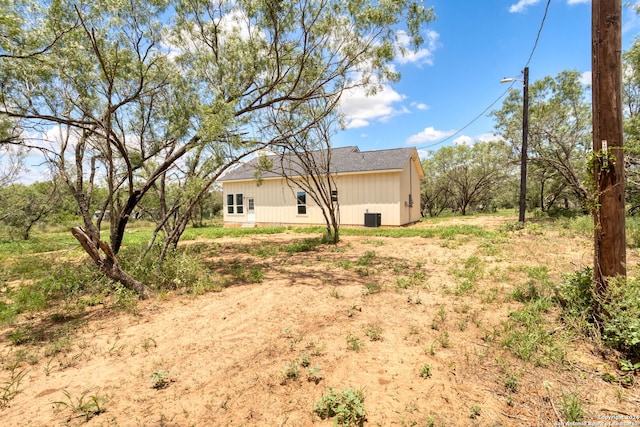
146,95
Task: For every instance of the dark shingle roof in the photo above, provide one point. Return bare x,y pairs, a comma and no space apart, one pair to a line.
343,160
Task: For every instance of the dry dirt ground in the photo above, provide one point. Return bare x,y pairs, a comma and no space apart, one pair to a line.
369,313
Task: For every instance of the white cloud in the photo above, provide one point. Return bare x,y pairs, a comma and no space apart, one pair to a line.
424,55
522,5
429,135
585,78
361,109
578,1
420,105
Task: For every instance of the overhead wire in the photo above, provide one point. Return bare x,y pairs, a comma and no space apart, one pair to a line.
535,45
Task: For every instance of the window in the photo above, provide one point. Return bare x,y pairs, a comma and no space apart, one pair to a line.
238,206
230,203
301,197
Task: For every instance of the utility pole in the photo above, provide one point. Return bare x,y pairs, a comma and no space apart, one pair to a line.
609,208
525,136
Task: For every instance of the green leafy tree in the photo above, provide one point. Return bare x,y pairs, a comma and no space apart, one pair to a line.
470,176
631,104
24,206
559,136
144,96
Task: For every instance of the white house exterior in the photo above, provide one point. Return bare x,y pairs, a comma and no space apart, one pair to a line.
384,182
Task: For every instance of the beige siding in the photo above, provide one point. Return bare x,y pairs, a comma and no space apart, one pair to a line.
410,183
275,201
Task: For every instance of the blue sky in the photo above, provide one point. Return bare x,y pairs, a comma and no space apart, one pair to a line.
471,46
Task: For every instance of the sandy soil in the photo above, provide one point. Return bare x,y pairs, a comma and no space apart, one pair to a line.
225,358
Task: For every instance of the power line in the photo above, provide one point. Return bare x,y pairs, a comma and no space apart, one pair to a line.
535,45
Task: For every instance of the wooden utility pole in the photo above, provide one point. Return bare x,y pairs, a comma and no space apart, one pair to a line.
609,209
523,156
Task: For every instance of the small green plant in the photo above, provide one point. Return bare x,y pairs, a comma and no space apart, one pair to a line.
85,406
628,366
346,405
304,360
372,288
374,333
160,380
353,343
291,372
10,389
335,294
313,374
366,259
147,343
475,412
511,383
444,340
571,407
425,371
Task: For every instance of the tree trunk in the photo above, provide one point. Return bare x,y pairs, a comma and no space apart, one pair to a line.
108,264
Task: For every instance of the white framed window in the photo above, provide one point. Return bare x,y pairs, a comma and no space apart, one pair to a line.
235,203
301,198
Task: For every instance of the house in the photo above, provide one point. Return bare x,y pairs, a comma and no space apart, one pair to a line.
380,187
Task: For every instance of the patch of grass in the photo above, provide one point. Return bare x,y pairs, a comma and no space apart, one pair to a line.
475,412
347,406
84,406
425,371
366,259
160,380
304,245
353,343
10,388
571,407
372,288
374,333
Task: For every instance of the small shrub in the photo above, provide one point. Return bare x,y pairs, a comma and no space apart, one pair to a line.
347,406
571,407
425,371
87,407
291,371
374,333
160,380
475,412
353,343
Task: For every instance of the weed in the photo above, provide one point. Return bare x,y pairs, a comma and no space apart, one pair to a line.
291,372
160,380
313,374
571,407
304,360
10,388
347,406
444,340
475,412
442,314
366,259
147,343
305,245
374,333
425,371
511,383
402,283
85,406
353,343
335,294
626,365
372,288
